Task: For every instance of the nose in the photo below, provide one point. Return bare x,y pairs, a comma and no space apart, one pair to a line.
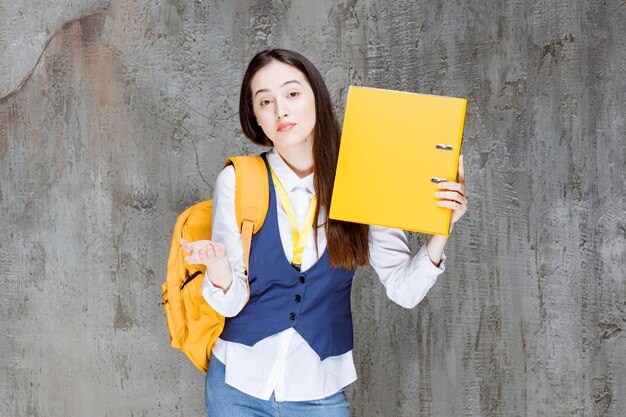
281,110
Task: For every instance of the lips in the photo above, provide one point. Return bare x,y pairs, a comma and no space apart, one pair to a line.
283,127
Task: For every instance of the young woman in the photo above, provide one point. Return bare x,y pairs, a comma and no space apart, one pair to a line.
288,349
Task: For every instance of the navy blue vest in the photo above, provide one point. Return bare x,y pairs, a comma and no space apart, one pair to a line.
315,302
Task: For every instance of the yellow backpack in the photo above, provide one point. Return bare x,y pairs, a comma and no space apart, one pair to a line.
193,325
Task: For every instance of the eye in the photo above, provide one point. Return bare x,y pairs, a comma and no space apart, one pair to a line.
264,102
294,94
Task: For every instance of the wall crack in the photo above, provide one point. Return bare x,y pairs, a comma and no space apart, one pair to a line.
25,79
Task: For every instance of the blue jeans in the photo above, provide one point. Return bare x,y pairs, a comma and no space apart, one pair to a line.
222,400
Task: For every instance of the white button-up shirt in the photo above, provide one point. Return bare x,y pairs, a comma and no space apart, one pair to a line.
284,363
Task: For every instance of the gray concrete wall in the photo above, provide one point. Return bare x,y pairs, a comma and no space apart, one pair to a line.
115,116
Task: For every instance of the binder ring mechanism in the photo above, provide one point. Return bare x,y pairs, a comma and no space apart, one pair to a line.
442,147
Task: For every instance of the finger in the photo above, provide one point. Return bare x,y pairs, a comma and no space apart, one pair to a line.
188,246
449,204
207,251
451,195
219,249
211,250
461,172
453,186
185,246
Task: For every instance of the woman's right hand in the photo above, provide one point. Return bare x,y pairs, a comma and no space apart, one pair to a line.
213,255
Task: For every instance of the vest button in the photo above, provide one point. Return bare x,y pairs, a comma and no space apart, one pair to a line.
292,316
298,298
302,279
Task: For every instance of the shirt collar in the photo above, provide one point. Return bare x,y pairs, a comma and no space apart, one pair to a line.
287,177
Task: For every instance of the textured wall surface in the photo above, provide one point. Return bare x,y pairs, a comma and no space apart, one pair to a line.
114,116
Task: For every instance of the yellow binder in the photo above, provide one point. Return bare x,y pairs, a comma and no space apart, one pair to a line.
394,147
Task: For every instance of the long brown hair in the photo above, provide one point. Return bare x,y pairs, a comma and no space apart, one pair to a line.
347,242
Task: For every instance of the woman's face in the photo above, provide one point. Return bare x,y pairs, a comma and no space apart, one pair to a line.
284,104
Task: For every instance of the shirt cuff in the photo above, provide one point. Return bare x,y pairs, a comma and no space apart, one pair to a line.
228,304
214,291
423,252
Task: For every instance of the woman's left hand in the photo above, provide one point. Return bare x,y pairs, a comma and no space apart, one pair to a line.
453,195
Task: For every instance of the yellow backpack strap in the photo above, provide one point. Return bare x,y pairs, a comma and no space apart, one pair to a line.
251,198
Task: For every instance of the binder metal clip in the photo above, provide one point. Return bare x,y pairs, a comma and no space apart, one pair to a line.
438,180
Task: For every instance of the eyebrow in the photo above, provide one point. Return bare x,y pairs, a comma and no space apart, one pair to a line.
284,84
